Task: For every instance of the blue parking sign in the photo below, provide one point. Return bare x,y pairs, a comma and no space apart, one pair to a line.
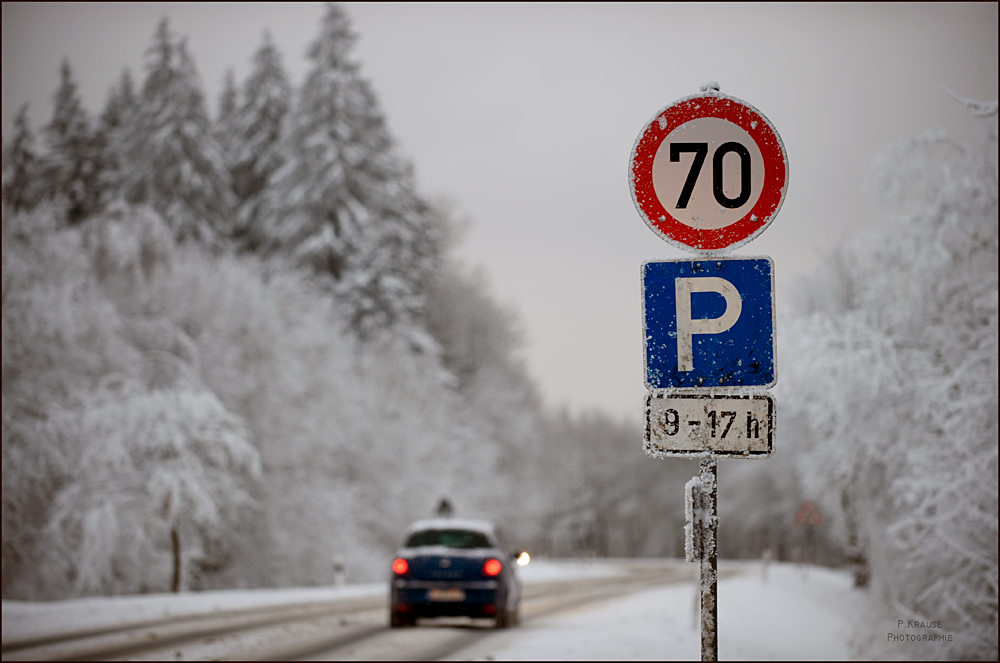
709,323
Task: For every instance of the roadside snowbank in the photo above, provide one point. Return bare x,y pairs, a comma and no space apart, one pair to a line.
23,620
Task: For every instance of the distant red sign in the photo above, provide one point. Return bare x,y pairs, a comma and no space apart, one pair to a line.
708,173
808,514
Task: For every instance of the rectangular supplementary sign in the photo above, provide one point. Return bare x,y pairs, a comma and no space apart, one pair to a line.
720,425
708,323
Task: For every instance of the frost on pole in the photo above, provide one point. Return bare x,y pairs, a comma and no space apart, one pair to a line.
693,518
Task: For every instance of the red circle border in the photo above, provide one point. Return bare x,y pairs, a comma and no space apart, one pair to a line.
740,113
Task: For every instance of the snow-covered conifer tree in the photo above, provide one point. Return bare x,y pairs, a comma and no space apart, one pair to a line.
121,103
74,164
228,98
345,203
173,161
224,132
116,118
255,132
21,166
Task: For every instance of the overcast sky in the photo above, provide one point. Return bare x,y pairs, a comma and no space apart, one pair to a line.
525,116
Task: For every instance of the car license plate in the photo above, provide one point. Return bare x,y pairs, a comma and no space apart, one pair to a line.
449,594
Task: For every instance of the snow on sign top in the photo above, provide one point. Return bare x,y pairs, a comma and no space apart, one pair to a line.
708,173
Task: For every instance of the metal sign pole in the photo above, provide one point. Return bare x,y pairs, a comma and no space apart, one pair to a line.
709,477
685,418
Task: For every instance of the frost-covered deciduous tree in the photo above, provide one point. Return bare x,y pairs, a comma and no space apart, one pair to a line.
345,204
475,333
113,448
58,339
74,167
757,503
172,160
480,343
602,495
160,477
896,372
22,166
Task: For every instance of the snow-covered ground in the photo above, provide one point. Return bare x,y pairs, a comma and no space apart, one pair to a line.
792,615
789,615
25,620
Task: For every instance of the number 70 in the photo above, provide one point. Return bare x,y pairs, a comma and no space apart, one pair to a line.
700,152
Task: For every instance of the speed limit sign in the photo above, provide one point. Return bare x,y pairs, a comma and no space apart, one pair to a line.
708,173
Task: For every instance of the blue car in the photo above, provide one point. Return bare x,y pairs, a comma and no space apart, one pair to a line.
450,567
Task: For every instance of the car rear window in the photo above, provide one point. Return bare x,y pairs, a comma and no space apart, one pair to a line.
449,538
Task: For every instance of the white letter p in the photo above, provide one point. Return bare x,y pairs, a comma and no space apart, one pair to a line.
686,327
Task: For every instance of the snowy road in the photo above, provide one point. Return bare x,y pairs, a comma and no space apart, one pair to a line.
571,610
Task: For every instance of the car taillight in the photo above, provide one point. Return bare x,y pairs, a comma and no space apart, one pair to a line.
400,566
492,567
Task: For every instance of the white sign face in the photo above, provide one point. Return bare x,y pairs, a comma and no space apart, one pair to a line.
720,425
709,172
